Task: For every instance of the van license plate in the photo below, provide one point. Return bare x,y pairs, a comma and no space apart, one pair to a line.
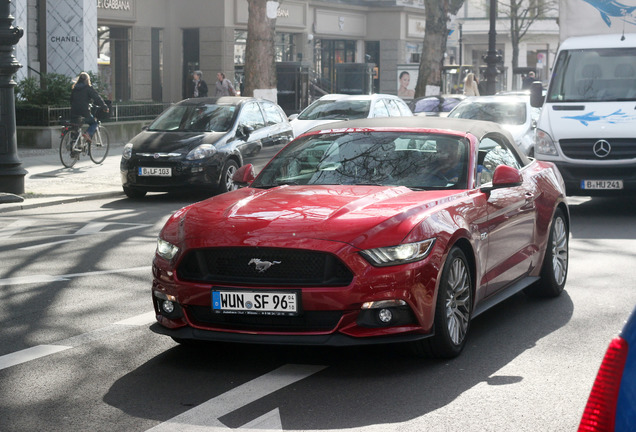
602,184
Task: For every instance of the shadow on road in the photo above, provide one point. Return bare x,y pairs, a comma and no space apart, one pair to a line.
361,386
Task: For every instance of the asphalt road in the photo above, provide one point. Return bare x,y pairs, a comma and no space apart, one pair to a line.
77,354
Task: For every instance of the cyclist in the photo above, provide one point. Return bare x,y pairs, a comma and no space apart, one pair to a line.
82,94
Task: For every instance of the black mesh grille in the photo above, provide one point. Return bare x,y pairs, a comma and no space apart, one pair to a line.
308,321
264,267
622,148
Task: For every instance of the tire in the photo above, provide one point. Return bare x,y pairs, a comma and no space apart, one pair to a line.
226,184
453,310
98,148
554,270
67,156
134,193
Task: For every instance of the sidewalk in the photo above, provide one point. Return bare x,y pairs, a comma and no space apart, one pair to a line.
48,182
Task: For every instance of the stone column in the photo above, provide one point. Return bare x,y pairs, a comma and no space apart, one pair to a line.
71,37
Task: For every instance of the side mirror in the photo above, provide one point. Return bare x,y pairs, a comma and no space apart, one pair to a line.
244,131
536,94
291,117
504,177
244,175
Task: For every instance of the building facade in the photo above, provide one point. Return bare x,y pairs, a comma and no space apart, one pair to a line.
146,50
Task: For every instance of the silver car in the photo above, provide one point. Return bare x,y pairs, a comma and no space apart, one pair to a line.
513,113
337,107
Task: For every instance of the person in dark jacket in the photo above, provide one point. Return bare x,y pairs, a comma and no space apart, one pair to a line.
199,87
81,96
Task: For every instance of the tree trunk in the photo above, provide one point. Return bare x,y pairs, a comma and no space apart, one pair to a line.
435,38
260,66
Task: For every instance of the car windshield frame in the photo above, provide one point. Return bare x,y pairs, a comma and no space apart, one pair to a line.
417,160
209,117
336,110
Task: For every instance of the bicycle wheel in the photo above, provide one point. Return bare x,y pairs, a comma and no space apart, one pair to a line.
67,155
98,148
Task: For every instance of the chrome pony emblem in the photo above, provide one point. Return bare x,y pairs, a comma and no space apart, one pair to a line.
602,148
262,266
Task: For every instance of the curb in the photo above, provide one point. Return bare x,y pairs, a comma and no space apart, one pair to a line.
46,202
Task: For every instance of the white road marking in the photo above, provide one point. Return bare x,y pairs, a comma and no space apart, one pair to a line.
139,320
14,227
39,351
29,354
269,421
88,229
33,279
38,246
206,415
92,228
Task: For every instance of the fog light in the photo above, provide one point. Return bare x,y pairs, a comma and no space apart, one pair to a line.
385,315
167,306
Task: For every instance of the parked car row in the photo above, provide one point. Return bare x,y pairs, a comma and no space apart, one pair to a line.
200,143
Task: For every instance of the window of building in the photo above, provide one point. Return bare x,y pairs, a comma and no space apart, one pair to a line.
114,61
157,64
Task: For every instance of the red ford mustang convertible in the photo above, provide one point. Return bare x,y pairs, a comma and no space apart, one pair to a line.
374,231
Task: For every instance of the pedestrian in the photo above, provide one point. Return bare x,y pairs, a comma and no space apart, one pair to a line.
224,86
82,94
471,85
528,80
199,87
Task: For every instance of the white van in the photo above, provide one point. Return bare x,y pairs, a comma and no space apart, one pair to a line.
587,125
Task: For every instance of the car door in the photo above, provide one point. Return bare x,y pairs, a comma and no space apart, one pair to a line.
279,131
511,212
251,116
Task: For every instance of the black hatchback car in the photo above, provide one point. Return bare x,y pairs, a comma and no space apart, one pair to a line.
199,144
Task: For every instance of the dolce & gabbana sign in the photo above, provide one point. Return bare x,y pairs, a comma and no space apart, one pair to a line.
116,9
114,4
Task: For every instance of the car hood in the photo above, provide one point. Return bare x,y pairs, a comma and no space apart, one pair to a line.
363,216
150,141
585,120
302,126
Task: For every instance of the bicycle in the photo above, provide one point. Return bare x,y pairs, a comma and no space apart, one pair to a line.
73,144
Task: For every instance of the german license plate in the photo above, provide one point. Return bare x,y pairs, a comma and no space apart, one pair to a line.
255,302
154,172
602,184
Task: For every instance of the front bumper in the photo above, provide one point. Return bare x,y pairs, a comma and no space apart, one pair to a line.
574,174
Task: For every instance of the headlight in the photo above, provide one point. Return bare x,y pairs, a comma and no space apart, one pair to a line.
401,254
166,250
544,143
201,152
127,151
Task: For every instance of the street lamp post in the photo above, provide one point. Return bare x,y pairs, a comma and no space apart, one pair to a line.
492,58
461,44
11,172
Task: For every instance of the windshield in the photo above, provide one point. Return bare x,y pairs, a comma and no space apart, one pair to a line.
415,160
336,110
199,118
604,74
505,113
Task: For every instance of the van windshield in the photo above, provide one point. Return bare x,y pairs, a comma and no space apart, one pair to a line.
603,74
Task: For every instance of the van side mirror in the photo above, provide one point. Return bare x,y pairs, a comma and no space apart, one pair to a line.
536,94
